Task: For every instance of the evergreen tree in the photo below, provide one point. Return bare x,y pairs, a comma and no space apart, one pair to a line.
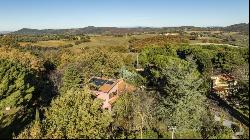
75,114
16,91
72,78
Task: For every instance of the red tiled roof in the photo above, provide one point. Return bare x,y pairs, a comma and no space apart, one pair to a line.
219,89
121,86
105,88
226,77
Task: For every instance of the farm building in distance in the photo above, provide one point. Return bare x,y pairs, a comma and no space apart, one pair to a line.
108,89
222,84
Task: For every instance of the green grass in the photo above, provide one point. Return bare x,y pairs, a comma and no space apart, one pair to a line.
102,41
96,41
53,43
50,43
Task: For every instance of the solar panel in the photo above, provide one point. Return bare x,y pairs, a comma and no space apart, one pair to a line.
110,82
100,82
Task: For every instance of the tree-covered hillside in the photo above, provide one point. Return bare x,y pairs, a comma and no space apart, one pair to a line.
243,27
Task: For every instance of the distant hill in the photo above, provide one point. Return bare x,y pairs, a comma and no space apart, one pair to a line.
4,32
86,30
242,27
109,30
45,31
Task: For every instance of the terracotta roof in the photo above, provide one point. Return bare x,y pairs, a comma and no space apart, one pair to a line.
225,77
105,88
130,88
122,86
228,77
219,89
107,84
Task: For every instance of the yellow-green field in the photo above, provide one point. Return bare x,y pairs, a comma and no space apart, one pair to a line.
50,43
53,43
96,41
102,41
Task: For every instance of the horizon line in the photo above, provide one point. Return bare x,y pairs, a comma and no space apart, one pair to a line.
204,26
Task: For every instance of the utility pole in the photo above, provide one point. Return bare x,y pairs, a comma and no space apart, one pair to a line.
137,62
102,74
173,128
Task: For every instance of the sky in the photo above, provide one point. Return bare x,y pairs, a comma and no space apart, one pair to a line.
58,14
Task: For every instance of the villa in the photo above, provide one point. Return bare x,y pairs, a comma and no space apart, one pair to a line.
108,89
222,84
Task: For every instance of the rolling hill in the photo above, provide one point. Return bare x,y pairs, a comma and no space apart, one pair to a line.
242,27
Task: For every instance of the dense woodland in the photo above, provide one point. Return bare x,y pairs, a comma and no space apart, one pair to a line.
47,92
